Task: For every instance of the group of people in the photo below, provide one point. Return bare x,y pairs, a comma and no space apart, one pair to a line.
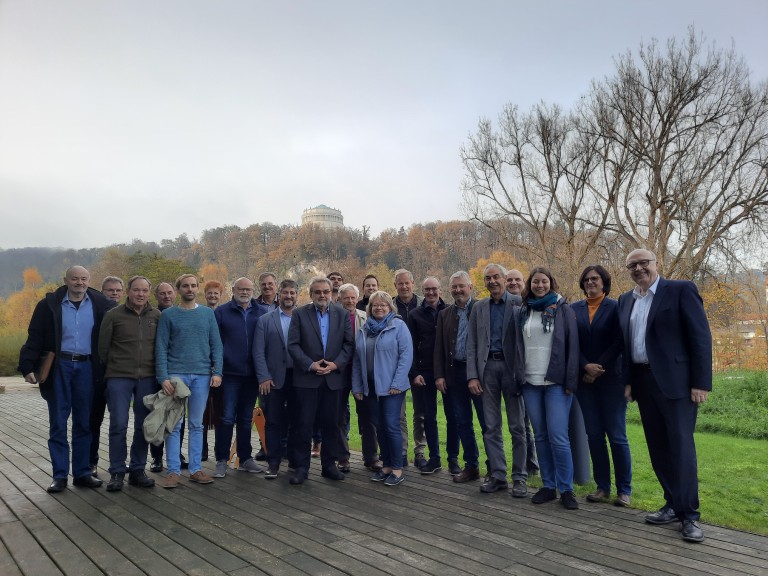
524,347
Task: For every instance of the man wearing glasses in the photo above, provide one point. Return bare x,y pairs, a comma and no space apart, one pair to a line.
668,370
321,344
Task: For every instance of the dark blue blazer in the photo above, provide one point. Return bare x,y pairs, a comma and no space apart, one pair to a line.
270,353
601,341
677,338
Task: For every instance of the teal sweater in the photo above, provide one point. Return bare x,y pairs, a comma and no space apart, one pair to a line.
187,342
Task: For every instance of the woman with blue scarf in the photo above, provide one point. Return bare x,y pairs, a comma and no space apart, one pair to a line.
550,341
383,357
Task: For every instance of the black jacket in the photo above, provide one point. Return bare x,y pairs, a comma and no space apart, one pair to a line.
422,323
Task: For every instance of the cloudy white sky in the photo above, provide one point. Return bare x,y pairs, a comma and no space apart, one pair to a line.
150,118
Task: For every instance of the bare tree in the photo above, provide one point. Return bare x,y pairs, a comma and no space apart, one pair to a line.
670,153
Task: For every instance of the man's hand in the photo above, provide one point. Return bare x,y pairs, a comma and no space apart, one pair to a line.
440,384
419,381
698,396
358,396
322,367
628,393
475,387
594,371
168,387
30,378
266,387
215,381
394,391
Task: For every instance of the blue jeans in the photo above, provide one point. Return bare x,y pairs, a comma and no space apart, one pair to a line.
605,409
238,399
119,394
385,413
462,401
198,386
549,408
72,394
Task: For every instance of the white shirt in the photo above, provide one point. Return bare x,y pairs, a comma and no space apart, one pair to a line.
638,321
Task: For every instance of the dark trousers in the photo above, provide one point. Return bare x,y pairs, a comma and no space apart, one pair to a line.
669,425
429,402
463,400
238,399
307,402
368,436
72,394
120,393
278,406
98,409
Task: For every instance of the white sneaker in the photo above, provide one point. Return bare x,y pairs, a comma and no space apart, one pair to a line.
221,469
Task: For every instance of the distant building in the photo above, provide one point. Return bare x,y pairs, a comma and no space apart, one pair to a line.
323,216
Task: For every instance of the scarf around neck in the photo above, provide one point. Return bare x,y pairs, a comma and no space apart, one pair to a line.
374,327
547,305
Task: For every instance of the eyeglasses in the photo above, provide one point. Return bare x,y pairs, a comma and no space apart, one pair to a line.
592,279
321,292
641,263
430,289
380,305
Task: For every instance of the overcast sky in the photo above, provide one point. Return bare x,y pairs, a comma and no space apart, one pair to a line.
150,118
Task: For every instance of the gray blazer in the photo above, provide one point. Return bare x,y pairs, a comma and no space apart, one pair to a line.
479,341
270,354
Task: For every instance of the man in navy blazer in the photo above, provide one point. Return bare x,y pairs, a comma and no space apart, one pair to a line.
668,370
321,343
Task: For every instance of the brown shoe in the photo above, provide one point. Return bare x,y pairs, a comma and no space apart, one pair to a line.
171,481
375,466
622,500
467,475
599,496
201,478
316,449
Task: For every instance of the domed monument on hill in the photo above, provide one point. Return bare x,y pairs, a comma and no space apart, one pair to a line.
323,216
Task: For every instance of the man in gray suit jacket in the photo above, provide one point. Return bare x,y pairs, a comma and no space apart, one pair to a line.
274,372
321,343
494,371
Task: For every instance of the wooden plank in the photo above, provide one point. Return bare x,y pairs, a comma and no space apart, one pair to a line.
30,558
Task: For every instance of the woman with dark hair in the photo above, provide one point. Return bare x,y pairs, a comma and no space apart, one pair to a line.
601,393
549,340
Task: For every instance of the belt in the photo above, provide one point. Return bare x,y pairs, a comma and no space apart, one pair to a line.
645,366
74,357
496,356
464,362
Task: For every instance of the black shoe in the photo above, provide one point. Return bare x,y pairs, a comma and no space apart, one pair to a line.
139,478
115,483
544,495
271,472
332,473
493,485
405,461
665,515
568,500
692,531
453,467
418,461
431,466
261,456
94,471
344,466
87,482
519,489
157,465
58,485
299,475
532,469
184,463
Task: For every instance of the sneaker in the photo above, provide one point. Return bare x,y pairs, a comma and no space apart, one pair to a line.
393,480
544,495
171,481
599,496
221,469
431,466
519,489
568,500
453,467
380,476
249,466
139,478
201,477
467,475
271,473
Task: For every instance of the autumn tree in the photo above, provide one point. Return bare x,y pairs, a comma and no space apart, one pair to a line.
668,153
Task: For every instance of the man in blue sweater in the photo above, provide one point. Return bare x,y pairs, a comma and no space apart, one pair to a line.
188,346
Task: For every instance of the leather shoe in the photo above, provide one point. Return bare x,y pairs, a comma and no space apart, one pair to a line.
298,477
467,475
665,515
87,482
115,483
139,478
692,531
58,485
493,485
157,465
332,474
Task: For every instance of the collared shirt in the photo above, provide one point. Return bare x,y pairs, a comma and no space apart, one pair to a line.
460,353
638,321
285,322
76,325
497,322
324,320
266,307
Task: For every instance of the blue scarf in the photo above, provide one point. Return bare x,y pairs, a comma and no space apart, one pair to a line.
547,305
374,327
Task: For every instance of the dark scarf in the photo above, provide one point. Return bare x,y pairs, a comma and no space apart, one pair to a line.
547,305
374,327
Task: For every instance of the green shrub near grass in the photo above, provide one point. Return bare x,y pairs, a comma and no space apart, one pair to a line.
10,344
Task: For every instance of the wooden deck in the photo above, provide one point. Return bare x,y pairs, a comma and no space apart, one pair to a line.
244,525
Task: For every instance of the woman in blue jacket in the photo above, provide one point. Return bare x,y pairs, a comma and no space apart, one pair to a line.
551,345
383,357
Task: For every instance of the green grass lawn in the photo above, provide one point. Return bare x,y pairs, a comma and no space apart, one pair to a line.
733,471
